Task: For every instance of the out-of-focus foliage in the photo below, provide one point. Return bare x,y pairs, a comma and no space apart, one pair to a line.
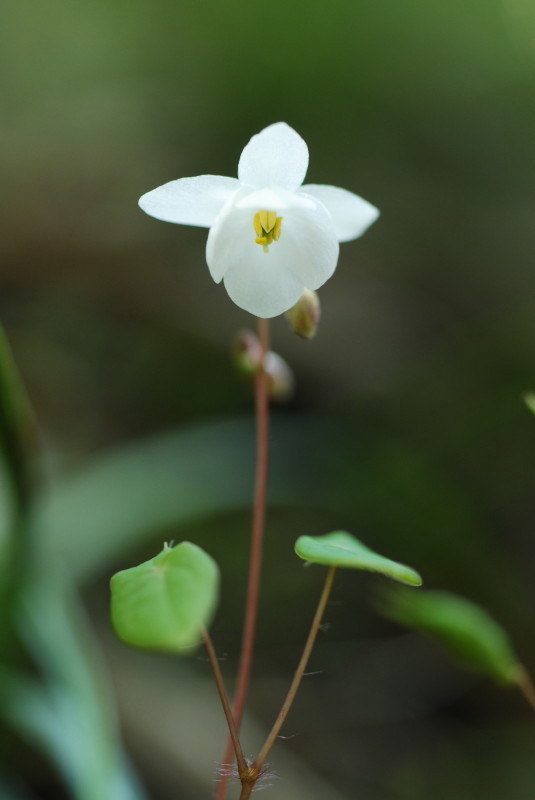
68,712
463,627
60,704
407,425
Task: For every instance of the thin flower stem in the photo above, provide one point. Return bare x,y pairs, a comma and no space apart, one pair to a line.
257,528
525,684
257,536
290,697
214,663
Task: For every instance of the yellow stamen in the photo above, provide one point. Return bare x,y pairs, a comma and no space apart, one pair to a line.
257,224
267,219
267,227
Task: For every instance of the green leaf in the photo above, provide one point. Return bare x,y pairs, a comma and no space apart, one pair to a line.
164,603
465,629
341,549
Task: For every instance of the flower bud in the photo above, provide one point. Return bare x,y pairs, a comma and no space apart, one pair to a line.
247,357
246,352
304,316
281,381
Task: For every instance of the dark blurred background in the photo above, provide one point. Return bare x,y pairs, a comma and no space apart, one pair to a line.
407,427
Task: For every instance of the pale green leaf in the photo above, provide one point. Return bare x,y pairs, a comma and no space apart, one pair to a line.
341,549
164,603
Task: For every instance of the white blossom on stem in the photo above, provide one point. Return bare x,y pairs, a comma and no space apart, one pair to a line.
270,236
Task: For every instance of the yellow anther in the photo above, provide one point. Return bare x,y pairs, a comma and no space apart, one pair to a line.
267,227
267,220
257,225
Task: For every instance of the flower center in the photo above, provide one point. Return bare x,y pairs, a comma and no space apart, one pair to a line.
267,227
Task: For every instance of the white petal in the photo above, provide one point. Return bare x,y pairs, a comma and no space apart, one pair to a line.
277,156
310,242
277,199
190,201
351,214
264,289
217,244
267,284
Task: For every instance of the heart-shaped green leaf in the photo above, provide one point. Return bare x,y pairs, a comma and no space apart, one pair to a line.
341,549
164,603
465,629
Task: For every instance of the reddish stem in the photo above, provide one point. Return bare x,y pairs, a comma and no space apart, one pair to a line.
255,556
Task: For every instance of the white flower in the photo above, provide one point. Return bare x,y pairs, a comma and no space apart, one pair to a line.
270,237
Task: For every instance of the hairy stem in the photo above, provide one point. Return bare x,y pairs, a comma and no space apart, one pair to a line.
257,536
233,732
294,686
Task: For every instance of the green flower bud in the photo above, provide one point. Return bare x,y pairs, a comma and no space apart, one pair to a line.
304,316
246,352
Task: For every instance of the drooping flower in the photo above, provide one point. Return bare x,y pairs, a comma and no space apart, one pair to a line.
270,236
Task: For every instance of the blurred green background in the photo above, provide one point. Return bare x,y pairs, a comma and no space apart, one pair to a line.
407,427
